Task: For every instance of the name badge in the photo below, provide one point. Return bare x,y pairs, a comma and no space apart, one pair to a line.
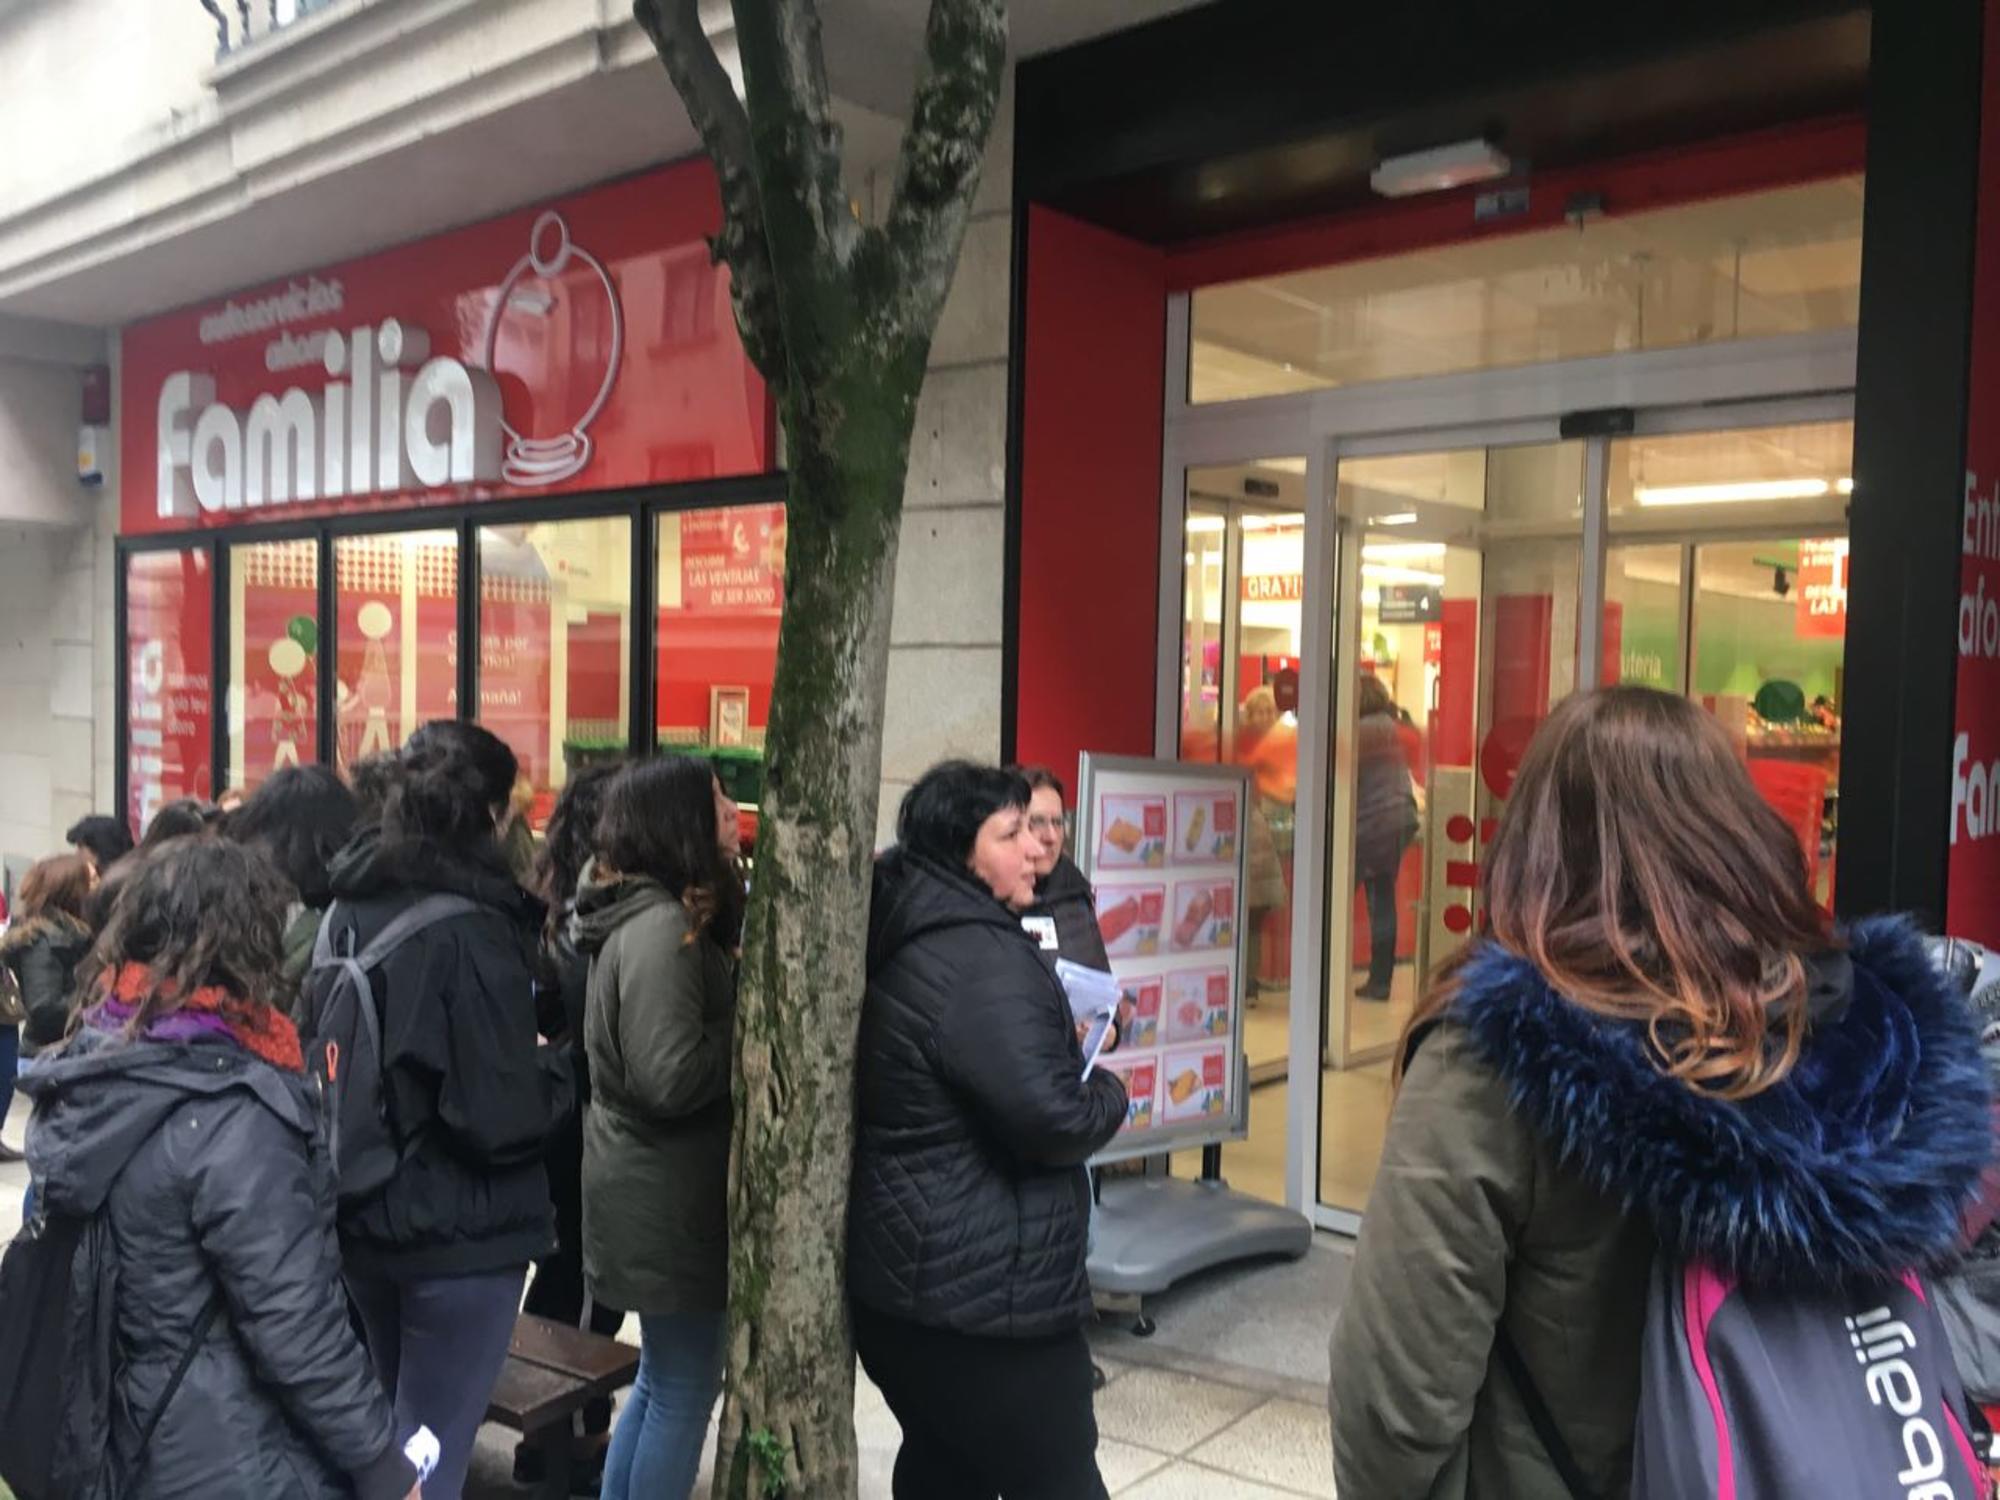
1042,930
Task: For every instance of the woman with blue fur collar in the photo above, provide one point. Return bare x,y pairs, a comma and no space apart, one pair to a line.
1660,1043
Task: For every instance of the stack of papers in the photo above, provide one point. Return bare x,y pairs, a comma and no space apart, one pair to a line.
1093,1001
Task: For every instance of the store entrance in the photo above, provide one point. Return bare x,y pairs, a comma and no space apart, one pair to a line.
1476,586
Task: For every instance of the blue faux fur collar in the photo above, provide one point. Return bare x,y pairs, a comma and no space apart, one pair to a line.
1858,1164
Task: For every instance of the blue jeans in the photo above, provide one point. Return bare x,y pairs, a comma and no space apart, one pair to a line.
656,1452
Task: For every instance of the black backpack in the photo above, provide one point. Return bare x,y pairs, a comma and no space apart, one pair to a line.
344,1041
58,1296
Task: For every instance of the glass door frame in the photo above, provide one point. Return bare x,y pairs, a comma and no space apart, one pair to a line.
1713,388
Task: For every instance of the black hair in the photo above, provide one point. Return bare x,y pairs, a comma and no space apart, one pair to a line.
372,777
196,912
942,814
106,838
1038,777
571,836
658,820
299,818
178,819
451,781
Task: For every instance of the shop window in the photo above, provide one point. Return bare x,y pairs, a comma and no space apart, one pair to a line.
169,705
1643,641
1749,266
555,647
1797,475
721,588
396,612
273,696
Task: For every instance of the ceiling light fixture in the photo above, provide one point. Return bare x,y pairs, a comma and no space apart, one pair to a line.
1205,523
1390,551
1400,518
1722,494
1383,574
1440,168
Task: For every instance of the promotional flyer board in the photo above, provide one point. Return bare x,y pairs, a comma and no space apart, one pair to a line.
1161,843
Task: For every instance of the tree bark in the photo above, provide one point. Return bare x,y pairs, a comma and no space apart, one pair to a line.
839,319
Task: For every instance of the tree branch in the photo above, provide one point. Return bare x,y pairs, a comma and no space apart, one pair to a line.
937,176
710,97
796,140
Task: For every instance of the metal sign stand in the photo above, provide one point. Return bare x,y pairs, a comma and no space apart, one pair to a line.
1153,1231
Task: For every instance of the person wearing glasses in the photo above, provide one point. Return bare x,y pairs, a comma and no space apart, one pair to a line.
1063,919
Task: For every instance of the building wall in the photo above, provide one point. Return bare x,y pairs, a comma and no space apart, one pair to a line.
945,644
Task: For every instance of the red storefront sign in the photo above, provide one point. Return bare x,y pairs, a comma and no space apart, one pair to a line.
733,561
1972,898
586,344
1822,586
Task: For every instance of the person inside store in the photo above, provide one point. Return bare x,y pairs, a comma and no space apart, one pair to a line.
300,818
180,818
436,1258
1385,825
180,1107
1269,747
40,950
1656,1047
101,839
557,1290
967,1217
660,914
1063,916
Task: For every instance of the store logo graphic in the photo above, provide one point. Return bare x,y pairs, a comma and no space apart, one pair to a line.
389,418
544,460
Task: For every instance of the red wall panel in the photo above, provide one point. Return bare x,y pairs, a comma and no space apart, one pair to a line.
1094,381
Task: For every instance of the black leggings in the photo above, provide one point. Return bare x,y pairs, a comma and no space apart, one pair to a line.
985,1418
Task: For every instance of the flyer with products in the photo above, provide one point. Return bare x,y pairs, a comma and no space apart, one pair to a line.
1163,849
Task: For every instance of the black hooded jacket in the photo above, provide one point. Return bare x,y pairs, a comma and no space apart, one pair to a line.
43,952
969,1208
471,1094
1065,898
211,1165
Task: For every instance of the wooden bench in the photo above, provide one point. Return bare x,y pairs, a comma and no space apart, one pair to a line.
552,1372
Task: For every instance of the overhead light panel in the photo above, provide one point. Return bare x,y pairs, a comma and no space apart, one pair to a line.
1400,518
1723,494
1440,168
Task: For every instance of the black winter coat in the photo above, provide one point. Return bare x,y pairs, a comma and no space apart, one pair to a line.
471,1094
212,1166
969,1208
1064,897
43,952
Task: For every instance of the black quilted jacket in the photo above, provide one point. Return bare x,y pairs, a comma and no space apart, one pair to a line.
970,1210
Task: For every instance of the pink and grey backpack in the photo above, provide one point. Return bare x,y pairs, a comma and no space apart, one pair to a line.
1748,1395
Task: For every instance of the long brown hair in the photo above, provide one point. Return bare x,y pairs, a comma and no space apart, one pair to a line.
58,884
1639,870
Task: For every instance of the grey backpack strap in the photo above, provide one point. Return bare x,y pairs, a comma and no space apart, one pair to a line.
406,924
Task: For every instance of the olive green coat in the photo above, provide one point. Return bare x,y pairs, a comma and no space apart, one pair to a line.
1473,1224
658,1021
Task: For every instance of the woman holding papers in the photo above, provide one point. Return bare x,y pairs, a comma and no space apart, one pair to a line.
966,1225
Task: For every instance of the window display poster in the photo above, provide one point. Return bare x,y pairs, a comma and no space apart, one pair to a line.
169,628
1144,1030
1140,1073
1204,828
1194,1083
1197,1005
1204,915
1134,833
1129,917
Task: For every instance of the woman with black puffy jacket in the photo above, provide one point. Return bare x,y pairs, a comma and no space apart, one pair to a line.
180,1109
967,1221
436,1257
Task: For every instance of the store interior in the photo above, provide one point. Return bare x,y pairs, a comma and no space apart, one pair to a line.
1726,579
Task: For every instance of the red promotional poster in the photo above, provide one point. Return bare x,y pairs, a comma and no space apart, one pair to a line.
1972,906
1204,914
1146,996
169,608
582,344
733,561
1134,833
1197,1005
1822,587
1129,917
1140,1076
1205,827
1195,1083
276,652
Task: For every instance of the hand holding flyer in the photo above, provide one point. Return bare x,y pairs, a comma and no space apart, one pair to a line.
1093,1001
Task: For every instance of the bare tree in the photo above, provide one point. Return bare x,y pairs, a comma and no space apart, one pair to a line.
839,317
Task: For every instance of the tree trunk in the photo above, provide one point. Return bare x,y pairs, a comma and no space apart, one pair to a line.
788,1423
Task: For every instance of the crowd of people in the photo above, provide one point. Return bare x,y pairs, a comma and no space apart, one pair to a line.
1659,1049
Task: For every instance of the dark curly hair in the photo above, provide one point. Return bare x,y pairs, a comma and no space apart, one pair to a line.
196,912
571,837
453,781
